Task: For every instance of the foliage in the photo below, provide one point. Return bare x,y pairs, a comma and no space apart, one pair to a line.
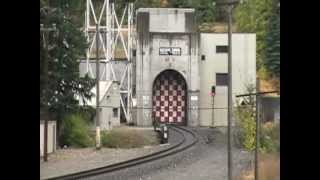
272,61
245,121
118,138
73,9
87,112
147,3
205,11
245,133
254,16
270,138
66,46
76,131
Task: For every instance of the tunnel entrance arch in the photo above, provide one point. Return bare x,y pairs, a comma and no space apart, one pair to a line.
169,98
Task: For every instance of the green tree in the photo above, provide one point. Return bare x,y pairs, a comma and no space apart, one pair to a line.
147,3
254,16
66,46
205,12
272,61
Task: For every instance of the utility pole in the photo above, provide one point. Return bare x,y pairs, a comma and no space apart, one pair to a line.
230,103
256,152
231,4
98,137
45,34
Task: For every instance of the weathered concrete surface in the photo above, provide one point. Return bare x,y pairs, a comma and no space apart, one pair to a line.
152,33
243,73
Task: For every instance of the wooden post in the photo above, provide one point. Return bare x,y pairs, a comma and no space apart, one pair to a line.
98,137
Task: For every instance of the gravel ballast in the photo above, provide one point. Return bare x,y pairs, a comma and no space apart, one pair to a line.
206,160
71,160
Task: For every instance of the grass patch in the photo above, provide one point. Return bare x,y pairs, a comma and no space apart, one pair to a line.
128,138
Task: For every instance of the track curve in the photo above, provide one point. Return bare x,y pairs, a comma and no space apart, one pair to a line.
188,139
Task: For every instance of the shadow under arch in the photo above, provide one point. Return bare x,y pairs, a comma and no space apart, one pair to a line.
169,98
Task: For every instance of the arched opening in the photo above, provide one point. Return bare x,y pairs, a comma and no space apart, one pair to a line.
169,98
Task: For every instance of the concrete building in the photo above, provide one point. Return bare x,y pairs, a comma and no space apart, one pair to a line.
214,70
167,40
176,67
109,104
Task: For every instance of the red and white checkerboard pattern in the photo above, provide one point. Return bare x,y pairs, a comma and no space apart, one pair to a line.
169,98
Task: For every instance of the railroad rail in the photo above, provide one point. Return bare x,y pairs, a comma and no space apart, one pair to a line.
188,139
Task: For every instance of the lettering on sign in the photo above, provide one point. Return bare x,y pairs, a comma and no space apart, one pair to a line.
194,98
175,51
164,51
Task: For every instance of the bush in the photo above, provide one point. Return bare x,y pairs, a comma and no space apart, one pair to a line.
270,138
76,131
245,133
87,113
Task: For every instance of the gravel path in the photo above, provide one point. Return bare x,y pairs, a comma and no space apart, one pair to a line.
66,161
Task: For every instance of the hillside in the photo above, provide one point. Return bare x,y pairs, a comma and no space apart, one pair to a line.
216,27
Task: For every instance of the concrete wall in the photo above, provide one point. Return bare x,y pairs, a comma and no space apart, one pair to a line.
152,27
169,27
52,139
243,73
169,20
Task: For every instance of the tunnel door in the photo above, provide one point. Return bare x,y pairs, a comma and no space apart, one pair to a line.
170,98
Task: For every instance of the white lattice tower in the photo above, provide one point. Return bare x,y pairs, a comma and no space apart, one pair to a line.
112,29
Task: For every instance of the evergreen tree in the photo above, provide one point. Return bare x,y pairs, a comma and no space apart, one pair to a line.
273,44
66,47
205,12
254,16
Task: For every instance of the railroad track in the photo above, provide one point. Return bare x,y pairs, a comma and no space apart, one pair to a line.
188,139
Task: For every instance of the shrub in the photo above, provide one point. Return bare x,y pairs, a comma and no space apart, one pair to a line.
245,133
76,131
87,113
246,124
270,138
